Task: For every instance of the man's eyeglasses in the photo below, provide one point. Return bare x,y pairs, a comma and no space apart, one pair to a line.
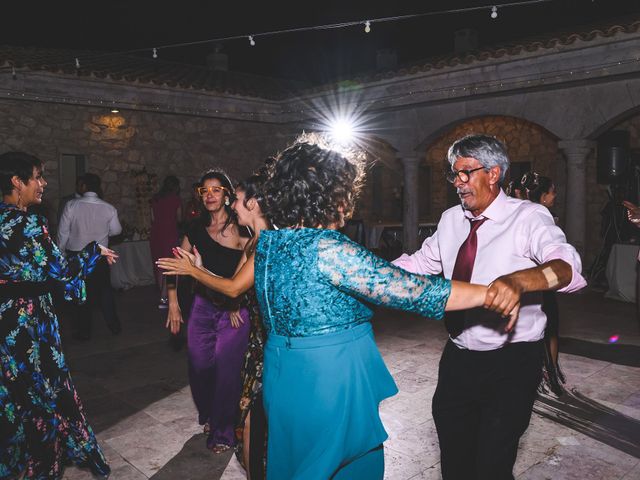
202,191
463,175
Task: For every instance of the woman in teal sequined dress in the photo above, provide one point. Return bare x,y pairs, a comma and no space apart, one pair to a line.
42,424
323,375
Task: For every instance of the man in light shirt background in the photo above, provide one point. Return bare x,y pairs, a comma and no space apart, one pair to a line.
73,196
85,220
488,376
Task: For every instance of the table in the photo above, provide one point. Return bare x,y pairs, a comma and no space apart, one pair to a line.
621,272
373,232
134,266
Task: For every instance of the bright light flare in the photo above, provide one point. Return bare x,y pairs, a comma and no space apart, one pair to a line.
614,338
344,122
342,131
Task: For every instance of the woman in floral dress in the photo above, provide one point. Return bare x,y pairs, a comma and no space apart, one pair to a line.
42,423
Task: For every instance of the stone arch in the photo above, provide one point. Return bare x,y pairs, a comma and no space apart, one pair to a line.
614,122
439,132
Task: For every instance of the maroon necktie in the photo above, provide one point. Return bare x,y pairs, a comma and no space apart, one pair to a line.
454,321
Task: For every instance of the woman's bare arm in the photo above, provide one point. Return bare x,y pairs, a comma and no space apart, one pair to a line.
184,264
468,295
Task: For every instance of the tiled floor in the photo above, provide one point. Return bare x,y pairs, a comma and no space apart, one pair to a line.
135,391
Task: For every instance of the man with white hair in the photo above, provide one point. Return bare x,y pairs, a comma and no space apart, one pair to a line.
488,376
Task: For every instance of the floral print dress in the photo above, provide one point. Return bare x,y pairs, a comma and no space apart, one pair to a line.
252,386
42,423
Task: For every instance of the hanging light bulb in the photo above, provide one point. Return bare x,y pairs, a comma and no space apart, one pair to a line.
494,12
77,63
367,26
155,53
252,42
13,72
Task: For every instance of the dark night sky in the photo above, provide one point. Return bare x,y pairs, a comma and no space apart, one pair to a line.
120,25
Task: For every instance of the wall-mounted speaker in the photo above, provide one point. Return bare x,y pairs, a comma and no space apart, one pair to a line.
613,157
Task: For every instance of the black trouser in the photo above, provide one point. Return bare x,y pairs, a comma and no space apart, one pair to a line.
257,436
482,406
99,292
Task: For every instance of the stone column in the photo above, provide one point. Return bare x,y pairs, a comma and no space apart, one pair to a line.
410,203
576,152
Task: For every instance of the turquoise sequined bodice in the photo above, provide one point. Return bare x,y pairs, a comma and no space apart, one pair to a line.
314,281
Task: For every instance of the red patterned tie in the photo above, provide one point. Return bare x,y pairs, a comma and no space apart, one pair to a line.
454,321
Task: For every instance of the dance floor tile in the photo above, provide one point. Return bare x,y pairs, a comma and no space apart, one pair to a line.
136,395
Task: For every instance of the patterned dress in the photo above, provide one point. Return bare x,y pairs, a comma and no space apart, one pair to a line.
42,422
251,398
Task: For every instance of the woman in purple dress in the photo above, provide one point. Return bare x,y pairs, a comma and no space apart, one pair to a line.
217,331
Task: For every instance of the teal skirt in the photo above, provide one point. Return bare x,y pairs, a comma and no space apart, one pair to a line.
321,397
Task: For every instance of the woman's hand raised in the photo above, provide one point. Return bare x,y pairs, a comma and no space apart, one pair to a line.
184,263
109,254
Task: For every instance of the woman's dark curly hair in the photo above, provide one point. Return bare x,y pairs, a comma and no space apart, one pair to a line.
204,216
310,186
536,185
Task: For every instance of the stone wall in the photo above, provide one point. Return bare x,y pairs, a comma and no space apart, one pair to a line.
132,150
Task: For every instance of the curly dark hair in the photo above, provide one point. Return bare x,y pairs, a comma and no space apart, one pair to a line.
310,186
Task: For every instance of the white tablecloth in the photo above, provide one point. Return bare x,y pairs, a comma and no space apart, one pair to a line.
134,267
621,272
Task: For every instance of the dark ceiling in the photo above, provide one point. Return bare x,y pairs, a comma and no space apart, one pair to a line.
315,57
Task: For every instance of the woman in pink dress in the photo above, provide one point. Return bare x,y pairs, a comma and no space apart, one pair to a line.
166,213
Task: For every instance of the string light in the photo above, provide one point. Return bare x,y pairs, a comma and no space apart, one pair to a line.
77,63
155,53
379,102
367,23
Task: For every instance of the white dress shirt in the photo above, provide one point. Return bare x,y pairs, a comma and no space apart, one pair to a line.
85,220
518,234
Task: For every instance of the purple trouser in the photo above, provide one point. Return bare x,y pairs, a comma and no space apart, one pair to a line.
216,354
